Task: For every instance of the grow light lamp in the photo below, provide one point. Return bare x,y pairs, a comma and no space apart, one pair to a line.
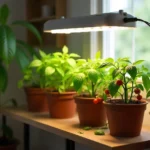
90,23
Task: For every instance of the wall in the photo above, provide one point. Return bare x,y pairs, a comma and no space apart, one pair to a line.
80,42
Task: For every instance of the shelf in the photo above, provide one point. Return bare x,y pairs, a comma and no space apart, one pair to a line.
57,8
41,19
69,128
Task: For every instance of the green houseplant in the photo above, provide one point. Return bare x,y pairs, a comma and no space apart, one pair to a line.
89,82
58,82
11,48
34,82
125,112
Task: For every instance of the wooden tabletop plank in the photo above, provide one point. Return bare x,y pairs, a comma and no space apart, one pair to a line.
69,128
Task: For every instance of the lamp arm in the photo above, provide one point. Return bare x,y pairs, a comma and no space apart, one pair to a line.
134,19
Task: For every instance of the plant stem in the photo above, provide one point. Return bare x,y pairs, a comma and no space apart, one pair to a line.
121,95
125,90
93,93
131,91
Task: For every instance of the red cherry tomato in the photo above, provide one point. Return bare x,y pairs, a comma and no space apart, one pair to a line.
139,97
137,91
119,82
107,92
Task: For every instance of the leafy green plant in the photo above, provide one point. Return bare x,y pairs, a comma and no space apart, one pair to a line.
56,70
10,47
34,75
89,77
125,79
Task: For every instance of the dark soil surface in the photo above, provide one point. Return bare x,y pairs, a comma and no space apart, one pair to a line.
112,101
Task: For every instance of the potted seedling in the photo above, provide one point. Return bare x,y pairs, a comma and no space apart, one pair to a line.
7,140
34,82
58,79
125,106
89,82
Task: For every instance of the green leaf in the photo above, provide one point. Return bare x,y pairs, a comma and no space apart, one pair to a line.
71,62
14,102
138,62
115,73
65,49
78,81
20,84
93,75
49,71
98,55
60,71
81,61
110,60
3,78
36,63
30,27
113,88
132,71
104,96
7,131
7,44
106,64
87,128
4,14
125,59
57,54
42,54
148,94
28,48
99,132
21,58
73,55
146,81
140,86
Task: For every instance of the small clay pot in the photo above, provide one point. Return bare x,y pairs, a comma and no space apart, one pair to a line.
9,147
61,105
36,99
12,146
90,114
125,120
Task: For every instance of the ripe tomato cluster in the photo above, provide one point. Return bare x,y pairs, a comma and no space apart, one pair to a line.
97,100
138,91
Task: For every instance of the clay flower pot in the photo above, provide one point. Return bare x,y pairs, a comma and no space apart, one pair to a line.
61,105
36,99
90,114
9,147
125,120
12,145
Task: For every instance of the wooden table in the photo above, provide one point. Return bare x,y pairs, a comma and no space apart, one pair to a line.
69,129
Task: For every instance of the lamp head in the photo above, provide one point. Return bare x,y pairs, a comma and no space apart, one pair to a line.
89,23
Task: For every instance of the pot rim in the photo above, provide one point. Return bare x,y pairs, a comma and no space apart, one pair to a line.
84,98
62,93
126,105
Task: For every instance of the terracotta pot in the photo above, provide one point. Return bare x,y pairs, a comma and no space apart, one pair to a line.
90,114
125,120
9,147
12,146
36,99
61,105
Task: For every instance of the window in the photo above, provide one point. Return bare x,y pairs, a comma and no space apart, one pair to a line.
128,43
